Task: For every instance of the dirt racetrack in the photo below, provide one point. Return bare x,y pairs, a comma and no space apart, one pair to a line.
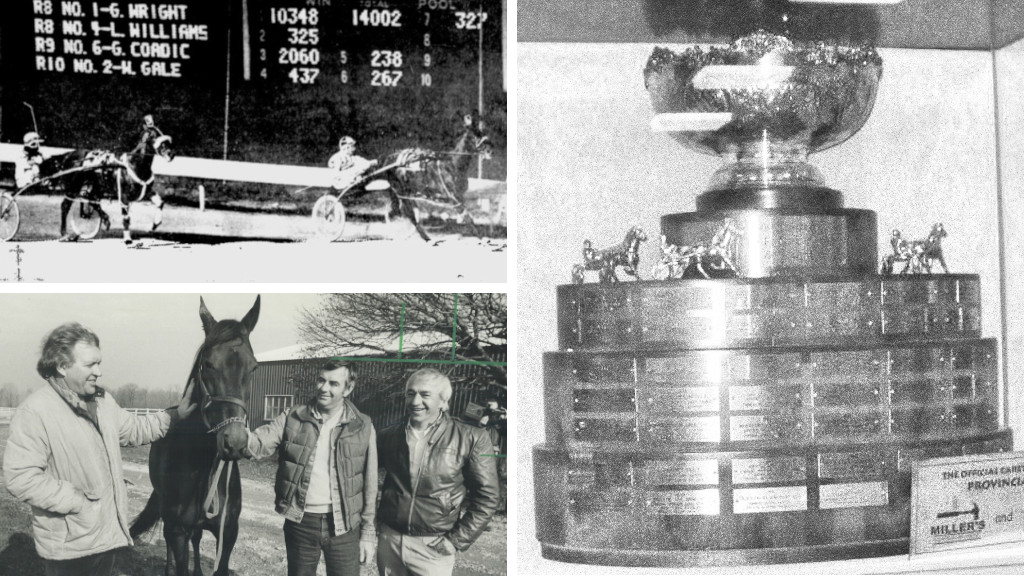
225,246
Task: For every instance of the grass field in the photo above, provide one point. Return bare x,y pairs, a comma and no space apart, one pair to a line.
260,547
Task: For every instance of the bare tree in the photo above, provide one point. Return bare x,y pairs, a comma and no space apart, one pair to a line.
470,326
131,395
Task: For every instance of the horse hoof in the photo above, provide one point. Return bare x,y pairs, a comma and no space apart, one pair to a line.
68,238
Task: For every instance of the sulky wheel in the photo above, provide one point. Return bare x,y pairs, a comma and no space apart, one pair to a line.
328,218
10,217
85,218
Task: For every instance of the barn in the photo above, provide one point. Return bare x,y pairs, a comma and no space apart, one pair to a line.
284,382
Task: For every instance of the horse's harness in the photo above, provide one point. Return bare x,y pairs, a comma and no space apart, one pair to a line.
211,504
208,399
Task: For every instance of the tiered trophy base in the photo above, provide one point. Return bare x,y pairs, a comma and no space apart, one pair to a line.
771,505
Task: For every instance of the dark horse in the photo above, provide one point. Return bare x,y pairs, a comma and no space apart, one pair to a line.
181,465
90,175
435,181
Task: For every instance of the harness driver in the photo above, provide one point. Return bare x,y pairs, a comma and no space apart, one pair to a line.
26,165
349,166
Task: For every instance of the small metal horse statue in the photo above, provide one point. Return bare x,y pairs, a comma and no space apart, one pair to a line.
625,254
918,255
695,261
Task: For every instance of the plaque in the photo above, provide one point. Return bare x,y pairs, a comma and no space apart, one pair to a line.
768,470
686,399
762,427
853,495
684,502
605,429
781,499
852,465
687,429
763,397
680,472
966,501
603,400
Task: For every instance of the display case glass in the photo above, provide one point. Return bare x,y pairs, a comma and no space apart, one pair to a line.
943,144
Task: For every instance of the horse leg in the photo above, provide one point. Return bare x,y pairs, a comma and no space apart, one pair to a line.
176,538
65,207
159,203
942,261
230,536
126,221
197,536
410,212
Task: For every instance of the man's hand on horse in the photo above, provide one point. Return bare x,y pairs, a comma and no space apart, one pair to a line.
186,406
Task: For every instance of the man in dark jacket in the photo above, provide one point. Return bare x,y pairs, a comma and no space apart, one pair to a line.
433,465
326,486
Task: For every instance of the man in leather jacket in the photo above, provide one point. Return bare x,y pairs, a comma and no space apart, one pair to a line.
434,465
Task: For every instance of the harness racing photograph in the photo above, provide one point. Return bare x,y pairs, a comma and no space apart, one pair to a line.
155,136
230,434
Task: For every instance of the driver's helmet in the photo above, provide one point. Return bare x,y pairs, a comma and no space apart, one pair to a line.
346,141
32,139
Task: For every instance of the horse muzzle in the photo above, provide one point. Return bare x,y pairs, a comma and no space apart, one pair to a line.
232,440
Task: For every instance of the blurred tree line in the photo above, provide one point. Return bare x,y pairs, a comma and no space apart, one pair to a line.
129,395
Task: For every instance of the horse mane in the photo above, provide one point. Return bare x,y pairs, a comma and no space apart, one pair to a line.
221,332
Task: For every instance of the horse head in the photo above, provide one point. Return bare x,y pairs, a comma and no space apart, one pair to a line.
222,374
938,231
635,236
162,147
475,139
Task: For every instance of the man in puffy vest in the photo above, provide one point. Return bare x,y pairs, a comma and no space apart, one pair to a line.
326,484
63,457
435,465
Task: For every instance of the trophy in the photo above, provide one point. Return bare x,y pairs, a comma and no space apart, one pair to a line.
763,399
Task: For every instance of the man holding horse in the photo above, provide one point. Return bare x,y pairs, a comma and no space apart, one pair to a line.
434,466
63,456
326,485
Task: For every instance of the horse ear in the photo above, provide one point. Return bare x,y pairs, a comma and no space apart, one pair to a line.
253,315
204,314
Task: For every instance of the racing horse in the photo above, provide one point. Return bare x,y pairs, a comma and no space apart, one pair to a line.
917,254
94,174
431,180
189,494
625,254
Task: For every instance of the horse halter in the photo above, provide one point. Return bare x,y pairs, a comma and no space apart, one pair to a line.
209,399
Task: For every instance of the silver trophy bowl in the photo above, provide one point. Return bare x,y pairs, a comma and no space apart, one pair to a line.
763,103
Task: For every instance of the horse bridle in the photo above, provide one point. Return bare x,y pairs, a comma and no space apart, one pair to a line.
209,399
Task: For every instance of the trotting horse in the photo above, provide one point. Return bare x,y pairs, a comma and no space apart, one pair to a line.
183,466
917,254
625,254
696,261
96,174
431,180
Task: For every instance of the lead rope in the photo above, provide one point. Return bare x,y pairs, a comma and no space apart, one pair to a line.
212,507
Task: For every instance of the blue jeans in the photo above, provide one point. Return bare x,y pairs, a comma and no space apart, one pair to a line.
304,541
101,564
